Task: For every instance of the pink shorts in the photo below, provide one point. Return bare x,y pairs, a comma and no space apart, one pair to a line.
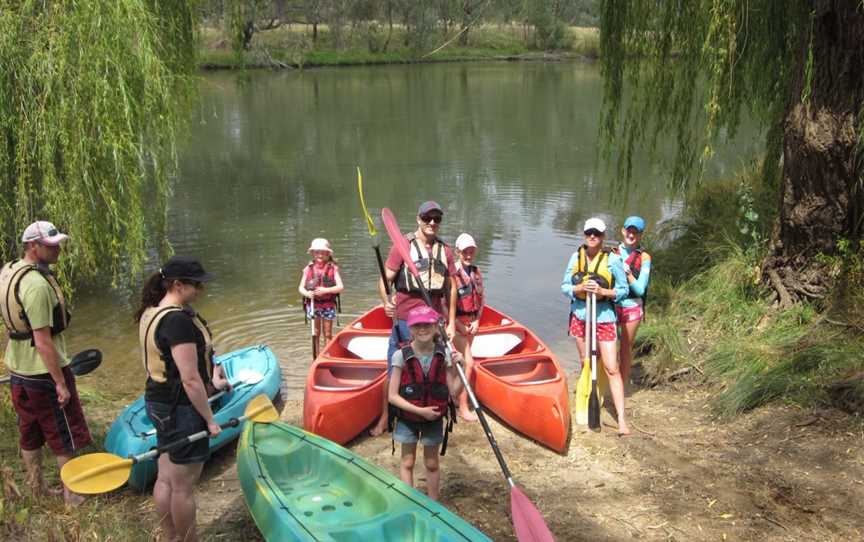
629,314
606,331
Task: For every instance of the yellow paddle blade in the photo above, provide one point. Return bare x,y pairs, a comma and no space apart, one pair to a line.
369,222
260,410
582,393
96,473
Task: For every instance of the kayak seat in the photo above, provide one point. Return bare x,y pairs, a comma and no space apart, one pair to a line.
499,343
529,371
358,345
317,487
347,376
401,528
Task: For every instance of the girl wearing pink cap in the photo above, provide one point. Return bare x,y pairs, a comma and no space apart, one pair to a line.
320,285
469,308
421,386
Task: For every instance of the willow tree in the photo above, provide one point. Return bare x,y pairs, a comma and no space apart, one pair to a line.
90,95
796,66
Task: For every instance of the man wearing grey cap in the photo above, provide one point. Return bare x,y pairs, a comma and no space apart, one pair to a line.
434,259
46,401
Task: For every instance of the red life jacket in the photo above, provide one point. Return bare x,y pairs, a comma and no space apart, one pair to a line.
424,389
326,279
469,290
633,261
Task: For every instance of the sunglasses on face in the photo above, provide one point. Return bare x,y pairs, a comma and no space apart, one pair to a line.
429,218
593,233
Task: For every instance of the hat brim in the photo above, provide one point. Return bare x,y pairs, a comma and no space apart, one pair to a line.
422,321
310,250
52,241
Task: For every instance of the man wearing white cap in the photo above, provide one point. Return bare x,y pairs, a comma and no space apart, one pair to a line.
43,389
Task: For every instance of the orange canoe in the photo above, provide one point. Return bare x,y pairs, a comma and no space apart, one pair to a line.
517,378
346,382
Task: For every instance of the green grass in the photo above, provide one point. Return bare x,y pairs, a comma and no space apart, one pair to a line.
709,311
122,516
361,46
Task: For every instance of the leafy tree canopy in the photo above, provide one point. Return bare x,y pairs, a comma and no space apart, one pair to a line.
90,96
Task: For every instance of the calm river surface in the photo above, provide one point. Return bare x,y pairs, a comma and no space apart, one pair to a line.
508,149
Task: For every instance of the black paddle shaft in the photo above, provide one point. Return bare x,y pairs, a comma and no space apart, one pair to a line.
233,422
381,266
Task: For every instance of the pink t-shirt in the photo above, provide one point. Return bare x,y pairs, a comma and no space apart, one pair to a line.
406,302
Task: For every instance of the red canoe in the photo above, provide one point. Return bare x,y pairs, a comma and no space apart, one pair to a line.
517,378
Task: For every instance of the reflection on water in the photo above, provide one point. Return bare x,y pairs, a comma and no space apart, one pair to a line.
508,149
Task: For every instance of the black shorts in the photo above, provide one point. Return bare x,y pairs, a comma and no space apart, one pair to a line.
174,423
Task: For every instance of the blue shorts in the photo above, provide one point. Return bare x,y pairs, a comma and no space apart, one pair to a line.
326,313
171,426
396,340
428,433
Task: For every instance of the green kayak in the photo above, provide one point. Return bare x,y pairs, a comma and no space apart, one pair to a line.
299,486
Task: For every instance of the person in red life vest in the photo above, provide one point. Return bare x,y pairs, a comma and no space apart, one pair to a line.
435,262
321,283
423,380
631,309
593,269
469,308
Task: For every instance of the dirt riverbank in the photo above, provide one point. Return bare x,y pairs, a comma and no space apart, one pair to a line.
776,474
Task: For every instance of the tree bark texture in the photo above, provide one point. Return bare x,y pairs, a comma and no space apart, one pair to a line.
820,196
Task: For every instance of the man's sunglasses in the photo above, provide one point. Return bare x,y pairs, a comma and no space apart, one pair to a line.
593,233
429,218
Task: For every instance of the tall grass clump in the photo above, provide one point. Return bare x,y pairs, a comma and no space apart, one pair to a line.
714,316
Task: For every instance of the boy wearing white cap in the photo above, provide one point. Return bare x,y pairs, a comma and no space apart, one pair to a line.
592,270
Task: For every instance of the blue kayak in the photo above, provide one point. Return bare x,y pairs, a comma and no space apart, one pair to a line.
132,433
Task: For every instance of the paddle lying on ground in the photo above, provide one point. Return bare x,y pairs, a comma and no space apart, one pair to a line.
527,520
103,472
246,377
82,363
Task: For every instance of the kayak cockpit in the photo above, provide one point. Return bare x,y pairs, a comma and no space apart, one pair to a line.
527,371
346,376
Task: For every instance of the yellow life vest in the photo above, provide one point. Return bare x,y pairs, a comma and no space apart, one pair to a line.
11,308
582,272
154,362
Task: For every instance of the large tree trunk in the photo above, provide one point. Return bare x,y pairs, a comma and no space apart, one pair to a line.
820,197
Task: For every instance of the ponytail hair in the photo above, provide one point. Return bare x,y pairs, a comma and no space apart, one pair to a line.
154,290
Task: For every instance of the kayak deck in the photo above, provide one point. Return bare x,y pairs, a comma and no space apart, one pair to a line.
299,486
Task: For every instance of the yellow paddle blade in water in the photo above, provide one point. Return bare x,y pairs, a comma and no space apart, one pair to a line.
96,473
369,222
260,410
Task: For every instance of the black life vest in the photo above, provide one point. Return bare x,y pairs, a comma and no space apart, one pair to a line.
469,290
422,389
326,279
582,272
432,268
11,308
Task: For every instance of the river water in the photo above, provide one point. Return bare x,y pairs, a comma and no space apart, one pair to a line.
508,149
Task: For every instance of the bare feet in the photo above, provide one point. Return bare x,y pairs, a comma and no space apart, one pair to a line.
379,428
73,499
623,429
467,415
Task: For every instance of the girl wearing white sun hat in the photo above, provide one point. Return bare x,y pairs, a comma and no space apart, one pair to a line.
320,285
469,308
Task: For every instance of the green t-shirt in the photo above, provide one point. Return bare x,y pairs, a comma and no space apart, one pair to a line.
38,299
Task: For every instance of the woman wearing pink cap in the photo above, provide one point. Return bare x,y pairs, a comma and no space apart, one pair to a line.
421,386
469,308
320,285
